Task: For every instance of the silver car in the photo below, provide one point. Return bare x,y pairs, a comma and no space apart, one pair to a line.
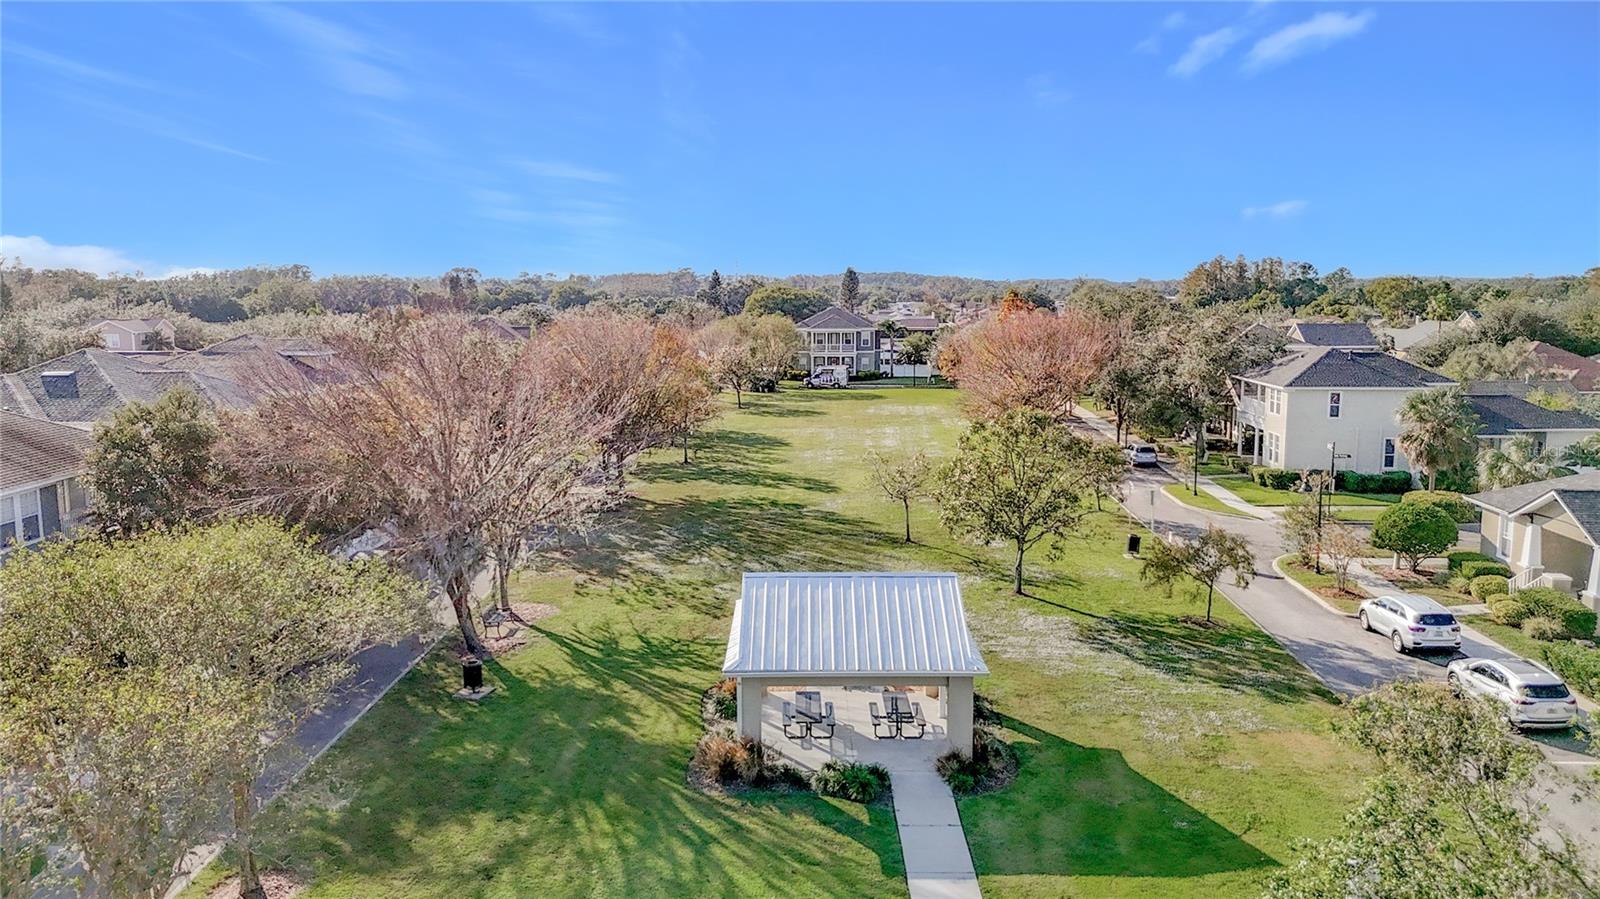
1142,455
1411,622
1532,695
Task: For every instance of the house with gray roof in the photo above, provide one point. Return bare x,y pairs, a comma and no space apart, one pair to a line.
1337,335
41,464
1502,417
136,335
838,337
1288,413
1547,533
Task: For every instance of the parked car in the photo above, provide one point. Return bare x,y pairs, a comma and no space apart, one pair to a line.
1533,696
1412,622
1142,455
835,376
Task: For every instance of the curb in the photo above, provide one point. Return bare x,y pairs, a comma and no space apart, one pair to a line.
1307,591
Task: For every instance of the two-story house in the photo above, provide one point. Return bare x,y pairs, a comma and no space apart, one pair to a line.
1288,412
836,336
41,463
136,335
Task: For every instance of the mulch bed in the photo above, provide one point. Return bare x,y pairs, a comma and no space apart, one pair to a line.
518,630
278,884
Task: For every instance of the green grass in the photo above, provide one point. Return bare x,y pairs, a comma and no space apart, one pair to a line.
1321,584
1158,757
1511,638
1257,495
1201,500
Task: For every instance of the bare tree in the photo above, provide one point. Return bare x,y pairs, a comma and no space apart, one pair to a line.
742,348
902,479
436,432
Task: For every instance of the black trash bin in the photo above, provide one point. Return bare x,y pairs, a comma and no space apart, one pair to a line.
1133,544
472,674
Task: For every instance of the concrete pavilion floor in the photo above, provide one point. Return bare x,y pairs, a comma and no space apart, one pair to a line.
852,738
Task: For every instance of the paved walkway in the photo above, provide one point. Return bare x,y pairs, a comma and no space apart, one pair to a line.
1231,500
938,863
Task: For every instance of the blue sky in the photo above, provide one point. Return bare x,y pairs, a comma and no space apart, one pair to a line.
1026,140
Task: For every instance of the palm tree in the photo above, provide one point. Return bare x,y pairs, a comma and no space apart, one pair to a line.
1438,430
892,330
1517,461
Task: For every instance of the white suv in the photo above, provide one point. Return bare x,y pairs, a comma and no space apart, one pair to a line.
1531,694
1411,622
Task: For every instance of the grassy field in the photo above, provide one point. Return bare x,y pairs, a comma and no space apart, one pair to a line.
1158,757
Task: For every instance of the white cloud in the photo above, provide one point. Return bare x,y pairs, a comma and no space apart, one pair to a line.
1044,90
36,252
1281,210
81,71
351,61
1171,22
1174,20
566,171
1315,33
1204,50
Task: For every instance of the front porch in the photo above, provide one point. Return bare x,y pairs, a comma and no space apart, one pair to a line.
1544,546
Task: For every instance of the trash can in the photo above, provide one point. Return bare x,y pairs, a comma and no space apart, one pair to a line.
472,674
1133,544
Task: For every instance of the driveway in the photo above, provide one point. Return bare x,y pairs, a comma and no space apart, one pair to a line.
1349,660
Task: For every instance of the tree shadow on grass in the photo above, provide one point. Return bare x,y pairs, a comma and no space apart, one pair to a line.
1238,658
735,458
1077,810
733,534
571,777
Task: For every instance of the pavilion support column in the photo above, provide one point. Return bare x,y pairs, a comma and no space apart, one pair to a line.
960,714
752,692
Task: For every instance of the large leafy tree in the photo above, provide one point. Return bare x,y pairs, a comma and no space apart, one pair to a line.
1438,430
1024,357
1018,478
917,350
152,463
1517,461
1190,361
1205,559
435,432
1414,531
791,302
1452,812
743,348
151,683
850,289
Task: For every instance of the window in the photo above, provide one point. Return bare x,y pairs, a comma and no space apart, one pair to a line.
1274,448
1274,400
817,339
1388,452
1333,404
1505,535
28,514
8,520
113,339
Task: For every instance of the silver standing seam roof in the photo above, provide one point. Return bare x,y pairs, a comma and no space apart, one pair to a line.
844,623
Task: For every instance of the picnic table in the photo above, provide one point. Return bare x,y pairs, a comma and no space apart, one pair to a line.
807,713
899,712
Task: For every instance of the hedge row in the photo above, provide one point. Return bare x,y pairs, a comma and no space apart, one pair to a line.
1479,567
1350,482
1547,602
1456,559
1578,665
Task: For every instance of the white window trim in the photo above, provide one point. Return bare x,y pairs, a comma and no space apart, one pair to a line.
1391,453
1335,403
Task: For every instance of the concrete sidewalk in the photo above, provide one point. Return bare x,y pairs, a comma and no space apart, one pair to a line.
938,863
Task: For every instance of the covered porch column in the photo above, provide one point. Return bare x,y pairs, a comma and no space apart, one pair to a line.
1532,544
751,693
958,705
1591,587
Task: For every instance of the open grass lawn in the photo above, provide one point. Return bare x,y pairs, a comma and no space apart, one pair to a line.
1322,584
1201,500
1257,495
1158,758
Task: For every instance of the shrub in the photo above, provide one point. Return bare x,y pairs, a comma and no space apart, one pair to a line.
1455,560
1380,482
1461,510
1508,612
796,374
867,375
718,757
1275,478
1459,584
1578,665
992,764
1541,628
1240,465
1415,532
1487,585
853,781
725,699
1478,568
1575,618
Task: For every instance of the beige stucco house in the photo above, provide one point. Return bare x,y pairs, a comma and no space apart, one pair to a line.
136,335
1547,532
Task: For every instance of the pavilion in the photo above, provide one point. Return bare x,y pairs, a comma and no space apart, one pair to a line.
859,631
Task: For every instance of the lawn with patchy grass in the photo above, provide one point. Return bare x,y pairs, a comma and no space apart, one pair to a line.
1201,500
1322,584
1158,757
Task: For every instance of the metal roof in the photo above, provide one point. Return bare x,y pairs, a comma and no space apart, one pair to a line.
844,623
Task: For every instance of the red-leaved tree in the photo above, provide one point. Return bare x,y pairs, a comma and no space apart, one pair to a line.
1025,357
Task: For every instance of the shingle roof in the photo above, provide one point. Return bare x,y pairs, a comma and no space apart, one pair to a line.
1509,498
836,317
34,451
1345,334
1334,368
918,323
230,369
1504,414
1583,371
100,383
842,623
135,323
